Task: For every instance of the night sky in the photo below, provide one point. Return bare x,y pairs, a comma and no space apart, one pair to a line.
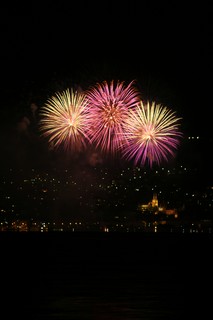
166,47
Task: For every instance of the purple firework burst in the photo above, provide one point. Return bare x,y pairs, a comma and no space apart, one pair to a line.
110,104
152,133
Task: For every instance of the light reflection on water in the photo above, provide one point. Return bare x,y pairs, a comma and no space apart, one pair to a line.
97,308
109,288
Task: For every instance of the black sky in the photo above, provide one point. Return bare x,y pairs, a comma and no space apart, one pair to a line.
166,46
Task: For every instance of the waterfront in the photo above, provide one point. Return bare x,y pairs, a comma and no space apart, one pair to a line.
178,199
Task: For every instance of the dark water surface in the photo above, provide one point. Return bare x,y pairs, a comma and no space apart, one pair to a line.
106,276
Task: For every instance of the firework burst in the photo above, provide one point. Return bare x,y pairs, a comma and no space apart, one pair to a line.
64,120
109,105
152,133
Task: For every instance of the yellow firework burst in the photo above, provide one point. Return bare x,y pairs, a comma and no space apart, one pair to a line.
64,119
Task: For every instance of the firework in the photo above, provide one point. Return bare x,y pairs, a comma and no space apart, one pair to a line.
109,105
152,133
64,120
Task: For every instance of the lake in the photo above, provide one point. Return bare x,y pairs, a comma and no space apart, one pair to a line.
101,275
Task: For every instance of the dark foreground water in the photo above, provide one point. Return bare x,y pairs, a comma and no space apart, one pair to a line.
106,276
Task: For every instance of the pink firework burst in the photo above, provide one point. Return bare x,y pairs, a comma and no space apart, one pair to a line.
110,104
64,120
152,133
